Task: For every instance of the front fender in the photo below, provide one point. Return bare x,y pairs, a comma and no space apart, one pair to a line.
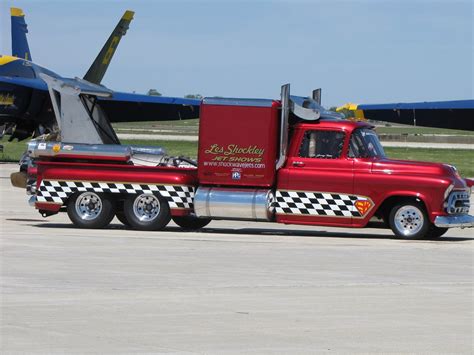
429,201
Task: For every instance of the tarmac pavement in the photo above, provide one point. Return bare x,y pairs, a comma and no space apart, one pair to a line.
234,287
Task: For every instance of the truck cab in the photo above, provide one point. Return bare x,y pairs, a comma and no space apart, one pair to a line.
337,174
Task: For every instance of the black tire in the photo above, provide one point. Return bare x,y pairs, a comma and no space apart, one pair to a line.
409,220
122,218
147,212
435,232
90,210
191,222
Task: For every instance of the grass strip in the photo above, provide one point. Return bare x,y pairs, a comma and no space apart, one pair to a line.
461,158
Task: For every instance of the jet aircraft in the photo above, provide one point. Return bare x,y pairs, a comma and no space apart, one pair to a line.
25,104
457,114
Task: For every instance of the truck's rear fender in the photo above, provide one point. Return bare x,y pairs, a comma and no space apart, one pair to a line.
57,193
58,182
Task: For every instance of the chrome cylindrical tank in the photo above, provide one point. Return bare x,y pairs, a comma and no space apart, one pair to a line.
115,152
147,156
147,150
37,149
234,203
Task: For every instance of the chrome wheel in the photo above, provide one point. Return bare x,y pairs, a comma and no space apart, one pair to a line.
90,210
146,211
88,206
146,207
409,220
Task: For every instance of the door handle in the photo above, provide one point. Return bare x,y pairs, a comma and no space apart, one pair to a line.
298,164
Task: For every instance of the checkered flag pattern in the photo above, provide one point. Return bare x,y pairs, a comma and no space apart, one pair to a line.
316,204
30,186
178,196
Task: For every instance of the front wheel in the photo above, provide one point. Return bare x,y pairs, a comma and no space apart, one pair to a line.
191,222
147,212
90,210
408,220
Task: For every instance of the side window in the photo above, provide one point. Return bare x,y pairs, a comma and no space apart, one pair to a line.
356,146
322,144
364,143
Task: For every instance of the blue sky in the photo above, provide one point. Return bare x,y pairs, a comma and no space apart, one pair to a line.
360,51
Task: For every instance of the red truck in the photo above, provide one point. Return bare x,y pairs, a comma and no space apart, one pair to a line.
283,161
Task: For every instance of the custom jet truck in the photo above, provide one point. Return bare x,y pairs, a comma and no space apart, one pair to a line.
282,161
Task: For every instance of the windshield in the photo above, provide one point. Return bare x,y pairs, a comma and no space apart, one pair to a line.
365,144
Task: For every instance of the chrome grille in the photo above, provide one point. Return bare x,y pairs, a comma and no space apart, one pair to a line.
458,202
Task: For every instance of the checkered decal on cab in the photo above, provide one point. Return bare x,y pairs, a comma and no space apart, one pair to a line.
57,191
316,204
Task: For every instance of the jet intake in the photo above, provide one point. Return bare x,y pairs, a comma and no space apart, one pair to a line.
79,116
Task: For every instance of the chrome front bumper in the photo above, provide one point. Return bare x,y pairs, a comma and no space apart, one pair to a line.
459,221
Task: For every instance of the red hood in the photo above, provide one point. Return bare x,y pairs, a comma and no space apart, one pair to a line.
410,167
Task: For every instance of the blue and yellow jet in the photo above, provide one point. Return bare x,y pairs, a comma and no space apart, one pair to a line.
25,104
458,114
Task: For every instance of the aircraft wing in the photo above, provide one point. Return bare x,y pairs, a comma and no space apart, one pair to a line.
24,100
39,84
31,83
311,103
126,107
457,114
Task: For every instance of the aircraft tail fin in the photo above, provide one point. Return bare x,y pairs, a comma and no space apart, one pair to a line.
97,70
20,46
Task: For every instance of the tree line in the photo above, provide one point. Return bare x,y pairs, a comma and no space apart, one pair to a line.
154,92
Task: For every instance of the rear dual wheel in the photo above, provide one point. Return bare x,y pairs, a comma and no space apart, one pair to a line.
95,210
90,210
146,212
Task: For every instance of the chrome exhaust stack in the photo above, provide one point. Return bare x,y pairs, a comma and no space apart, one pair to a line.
308,109
285,114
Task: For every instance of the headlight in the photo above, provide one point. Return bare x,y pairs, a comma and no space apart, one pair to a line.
448,191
